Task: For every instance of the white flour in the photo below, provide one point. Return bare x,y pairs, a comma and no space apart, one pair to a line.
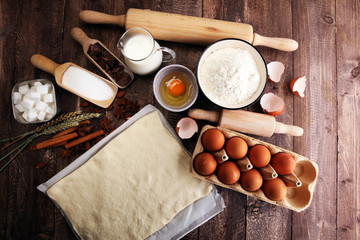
229,76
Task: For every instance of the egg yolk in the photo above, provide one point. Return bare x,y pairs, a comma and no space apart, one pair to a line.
176,87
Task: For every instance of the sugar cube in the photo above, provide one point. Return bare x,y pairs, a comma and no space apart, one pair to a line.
27,103
23,89
43,89
32,115
27,95
17,97
35,96
19,107
48,85
41,106
48,98
41,115
50,110
25,115
48,116
38,84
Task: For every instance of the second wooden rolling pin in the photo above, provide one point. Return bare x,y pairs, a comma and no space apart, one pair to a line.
187,29
246,122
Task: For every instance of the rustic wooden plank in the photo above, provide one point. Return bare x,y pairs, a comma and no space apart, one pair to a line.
231,223
314,28
7,63
272,20
348,113
21,214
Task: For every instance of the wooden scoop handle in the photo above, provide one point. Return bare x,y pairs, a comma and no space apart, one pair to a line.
44,63
80,36
284,44
94,17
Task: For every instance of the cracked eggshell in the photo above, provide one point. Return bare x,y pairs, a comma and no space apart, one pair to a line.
275,71
298,86
186,128
272,104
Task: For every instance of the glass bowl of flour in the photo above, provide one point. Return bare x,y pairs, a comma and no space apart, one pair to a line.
232,73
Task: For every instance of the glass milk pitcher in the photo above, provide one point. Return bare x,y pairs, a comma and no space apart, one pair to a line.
143,55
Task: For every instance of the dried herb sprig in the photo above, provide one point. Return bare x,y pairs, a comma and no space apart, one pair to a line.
60,124
59,119
53,122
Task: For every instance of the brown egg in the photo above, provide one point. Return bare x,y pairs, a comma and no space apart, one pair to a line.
213,140
251,180
236,148
259,156
228,172
283,163
205,163
274,189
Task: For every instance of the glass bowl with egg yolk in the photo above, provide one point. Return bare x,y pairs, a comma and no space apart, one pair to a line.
175,88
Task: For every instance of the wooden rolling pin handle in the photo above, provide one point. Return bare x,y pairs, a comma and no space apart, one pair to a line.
200,114
94,17
288,129
80,36
284,44
44,63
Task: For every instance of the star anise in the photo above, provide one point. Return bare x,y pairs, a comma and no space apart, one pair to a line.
66,153
79,148
86,128
104,124
109,108
95,109
120,112
134,107
121,102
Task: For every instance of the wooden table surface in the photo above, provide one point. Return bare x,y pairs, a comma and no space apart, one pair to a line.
329,55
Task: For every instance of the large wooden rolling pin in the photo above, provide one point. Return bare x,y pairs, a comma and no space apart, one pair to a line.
247,122
187,29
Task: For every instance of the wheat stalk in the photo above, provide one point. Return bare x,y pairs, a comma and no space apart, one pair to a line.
61,123
59,119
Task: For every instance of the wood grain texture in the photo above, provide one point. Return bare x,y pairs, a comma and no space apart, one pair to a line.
328,54
316,113
348,113
258,214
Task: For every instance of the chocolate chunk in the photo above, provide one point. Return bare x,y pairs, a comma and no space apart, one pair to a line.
109,64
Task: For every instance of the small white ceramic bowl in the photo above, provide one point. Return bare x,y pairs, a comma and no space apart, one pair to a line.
175,68
258,58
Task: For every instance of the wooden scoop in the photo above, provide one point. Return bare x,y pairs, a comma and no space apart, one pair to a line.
58,70
80,36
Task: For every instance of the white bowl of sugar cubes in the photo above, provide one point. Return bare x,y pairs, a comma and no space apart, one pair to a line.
34,101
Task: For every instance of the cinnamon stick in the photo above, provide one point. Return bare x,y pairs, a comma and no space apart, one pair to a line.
70,130
84,139
60,144
53,141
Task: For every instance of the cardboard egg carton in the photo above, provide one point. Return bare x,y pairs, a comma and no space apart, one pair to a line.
300,184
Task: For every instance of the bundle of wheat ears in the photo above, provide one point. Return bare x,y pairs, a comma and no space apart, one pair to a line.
61,123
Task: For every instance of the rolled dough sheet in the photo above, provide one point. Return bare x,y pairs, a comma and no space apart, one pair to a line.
132,187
